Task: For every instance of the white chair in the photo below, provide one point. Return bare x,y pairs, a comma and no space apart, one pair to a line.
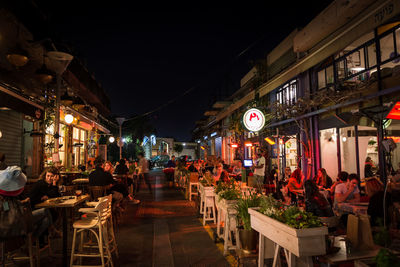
95,223
193,182
208,204
110,224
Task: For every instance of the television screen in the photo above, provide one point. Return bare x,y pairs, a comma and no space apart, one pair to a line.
247,162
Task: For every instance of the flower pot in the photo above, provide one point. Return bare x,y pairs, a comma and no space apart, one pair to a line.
249,240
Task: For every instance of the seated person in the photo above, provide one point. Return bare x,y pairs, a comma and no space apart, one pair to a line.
99,177
12,183
220,174
316,203
192,167
121,168
295,183
347,191
322,180
46,187
237,170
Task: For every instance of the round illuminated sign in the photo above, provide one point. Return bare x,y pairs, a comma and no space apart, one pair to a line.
254,120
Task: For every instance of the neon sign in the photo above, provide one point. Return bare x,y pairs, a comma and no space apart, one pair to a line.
253,120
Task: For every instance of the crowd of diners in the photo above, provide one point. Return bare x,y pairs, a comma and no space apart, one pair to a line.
320,195
47,221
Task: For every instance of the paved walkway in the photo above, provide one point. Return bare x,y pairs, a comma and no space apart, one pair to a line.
164,230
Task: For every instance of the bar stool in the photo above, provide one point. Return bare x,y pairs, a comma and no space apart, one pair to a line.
97,225
193,181
110,224
209,205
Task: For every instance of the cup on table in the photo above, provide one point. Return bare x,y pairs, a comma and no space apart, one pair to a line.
78,192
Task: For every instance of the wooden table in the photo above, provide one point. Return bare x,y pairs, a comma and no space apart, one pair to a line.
64,203
341,256
354,208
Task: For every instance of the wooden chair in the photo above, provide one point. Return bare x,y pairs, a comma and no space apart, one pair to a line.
193,181
97,191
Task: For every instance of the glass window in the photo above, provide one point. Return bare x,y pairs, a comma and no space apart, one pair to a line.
329,157
368,148
387,47
371,55
321,79
329,75
288,93
348,150
340,67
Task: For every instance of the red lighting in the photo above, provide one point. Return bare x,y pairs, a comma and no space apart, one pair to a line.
395,112
396,139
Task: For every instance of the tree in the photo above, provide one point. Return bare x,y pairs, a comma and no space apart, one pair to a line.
178,148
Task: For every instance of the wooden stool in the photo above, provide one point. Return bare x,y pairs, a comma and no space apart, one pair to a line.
243,257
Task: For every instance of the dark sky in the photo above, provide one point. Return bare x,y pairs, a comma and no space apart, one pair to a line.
145,55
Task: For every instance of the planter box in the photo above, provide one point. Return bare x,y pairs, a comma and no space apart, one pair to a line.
300,242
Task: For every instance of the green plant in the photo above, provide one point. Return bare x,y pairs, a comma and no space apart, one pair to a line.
292,215
386,258
242,208
229,190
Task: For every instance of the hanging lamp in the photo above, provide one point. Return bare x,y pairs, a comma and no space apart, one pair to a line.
66,99
43,74
17,56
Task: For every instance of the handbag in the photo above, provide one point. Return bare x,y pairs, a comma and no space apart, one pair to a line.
15,218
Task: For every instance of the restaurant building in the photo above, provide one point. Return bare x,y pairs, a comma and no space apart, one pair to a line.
345,65
28,100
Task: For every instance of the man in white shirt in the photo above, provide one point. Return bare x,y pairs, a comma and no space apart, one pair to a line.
259,172
144,170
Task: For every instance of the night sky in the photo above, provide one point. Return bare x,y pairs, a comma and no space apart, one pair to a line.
145,55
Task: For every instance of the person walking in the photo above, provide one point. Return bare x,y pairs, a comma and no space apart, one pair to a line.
144,170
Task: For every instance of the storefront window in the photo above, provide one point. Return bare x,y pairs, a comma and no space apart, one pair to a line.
329,159
368,148
78,142
291,153
387,47
348,149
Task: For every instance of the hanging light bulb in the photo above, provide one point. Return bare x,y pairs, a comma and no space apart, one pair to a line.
69,118
111,139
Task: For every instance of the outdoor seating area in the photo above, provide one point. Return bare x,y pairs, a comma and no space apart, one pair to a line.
347,229
81,218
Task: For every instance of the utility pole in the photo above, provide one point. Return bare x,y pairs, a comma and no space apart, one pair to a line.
120,121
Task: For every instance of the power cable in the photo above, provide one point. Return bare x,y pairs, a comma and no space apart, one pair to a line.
244,51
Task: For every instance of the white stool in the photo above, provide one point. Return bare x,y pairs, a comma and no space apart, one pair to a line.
96,223
209,207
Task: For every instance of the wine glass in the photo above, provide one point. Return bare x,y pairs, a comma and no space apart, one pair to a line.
78,193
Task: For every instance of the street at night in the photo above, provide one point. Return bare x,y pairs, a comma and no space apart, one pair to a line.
200,134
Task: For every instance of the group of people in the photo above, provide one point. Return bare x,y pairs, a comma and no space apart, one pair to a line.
46,221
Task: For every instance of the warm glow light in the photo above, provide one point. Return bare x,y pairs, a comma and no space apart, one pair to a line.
270,141
1,134
395,112
111,139
234,145
203,148
344,138
248,144
69,118
396,139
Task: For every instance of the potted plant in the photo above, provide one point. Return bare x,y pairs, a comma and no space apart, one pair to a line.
299,232
247,235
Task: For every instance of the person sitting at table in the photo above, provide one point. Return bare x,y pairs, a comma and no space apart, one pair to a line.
295,183
341,178
368,167
322,180
191,167
121,168
99,177
347,191
12,185
375,191
316,203
237,170
221,175
46,187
